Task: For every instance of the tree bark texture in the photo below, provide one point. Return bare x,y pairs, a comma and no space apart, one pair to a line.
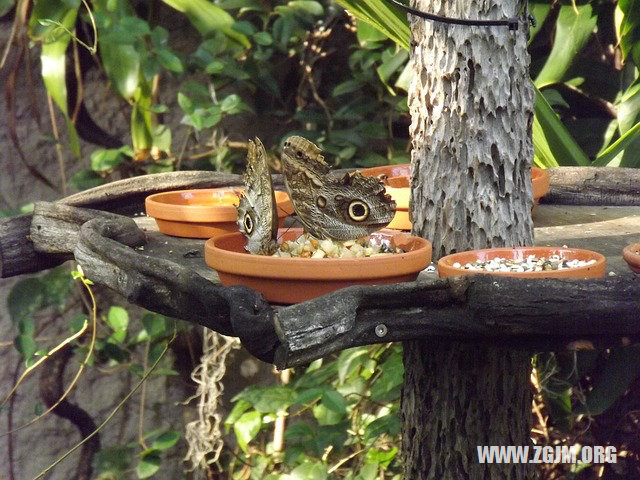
471,104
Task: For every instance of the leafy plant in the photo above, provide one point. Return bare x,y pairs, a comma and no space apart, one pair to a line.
341,420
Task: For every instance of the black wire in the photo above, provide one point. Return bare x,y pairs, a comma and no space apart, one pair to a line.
512,23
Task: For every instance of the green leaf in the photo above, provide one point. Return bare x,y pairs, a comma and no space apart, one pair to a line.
366,34
231,104
552,142
149,464
134,26
55,34
387,386
157,326
263,38
299,432
167,440
620,369
118,320
386,425
244,27
122,64
268,399
608,156
368,472
574,26
159,37
309,6
309,395
628,29
26,297
334,401
26,345
26,326
208,18
57,284
104,160
348,86
391,62
112,459
381,457
239,408
170,61
539,10
308,471
327,417
385,17
246,428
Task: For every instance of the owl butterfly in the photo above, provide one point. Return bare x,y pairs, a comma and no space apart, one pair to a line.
332,207
257,215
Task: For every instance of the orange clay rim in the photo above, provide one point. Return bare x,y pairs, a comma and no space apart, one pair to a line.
226,253
597,269
204,205
631,255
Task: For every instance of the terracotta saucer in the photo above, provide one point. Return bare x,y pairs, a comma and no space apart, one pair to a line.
202,213
595,270
540,181
292,280
397,179
631,255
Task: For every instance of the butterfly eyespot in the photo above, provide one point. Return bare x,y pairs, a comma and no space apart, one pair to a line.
298,154
248,223
358,210
321,201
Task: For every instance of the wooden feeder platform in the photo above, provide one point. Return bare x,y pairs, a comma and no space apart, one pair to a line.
592,208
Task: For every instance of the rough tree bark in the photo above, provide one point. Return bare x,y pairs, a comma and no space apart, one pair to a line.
471,104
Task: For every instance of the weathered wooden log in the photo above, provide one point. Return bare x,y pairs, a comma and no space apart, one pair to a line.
583,185
127,196
171,289
55,227
532,314
539,314
593,186
17,255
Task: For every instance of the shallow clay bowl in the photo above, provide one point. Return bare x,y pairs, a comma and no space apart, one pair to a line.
202,213
540,181
292,280
595,270
398,186
631,255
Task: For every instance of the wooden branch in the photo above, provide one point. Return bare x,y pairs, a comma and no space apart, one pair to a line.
127,196
17,255
541,314
581,185
168,288
55,227
536,314
594,186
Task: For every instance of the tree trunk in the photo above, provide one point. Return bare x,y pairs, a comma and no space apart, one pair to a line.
471,105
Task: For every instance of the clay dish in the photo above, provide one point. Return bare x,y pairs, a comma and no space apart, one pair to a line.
292,280
595,270
631,255
202,213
